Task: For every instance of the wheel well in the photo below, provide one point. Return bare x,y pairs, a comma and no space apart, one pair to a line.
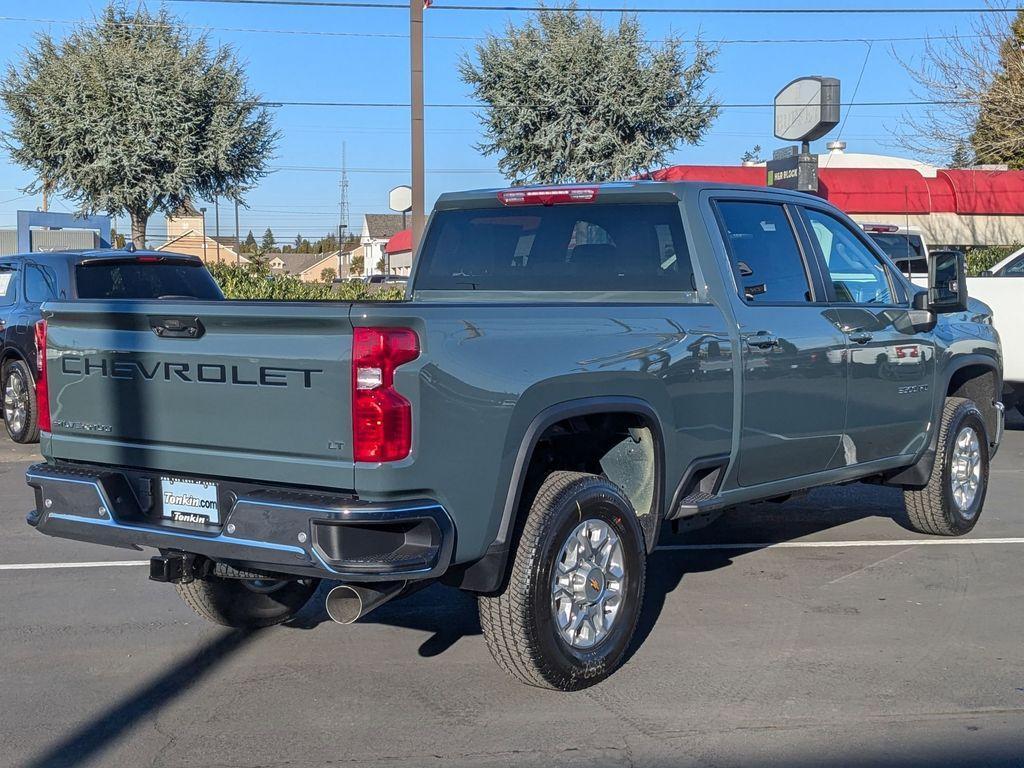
980,384
10,355
619,445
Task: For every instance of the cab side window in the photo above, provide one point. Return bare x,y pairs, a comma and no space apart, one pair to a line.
8,285
857,275
765,256
40,283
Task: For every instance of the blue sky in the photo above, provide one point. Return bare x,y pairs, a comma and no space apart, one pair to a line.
322,54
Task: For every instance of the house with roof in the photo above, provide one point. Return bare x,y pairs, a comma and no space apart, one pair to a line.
185,234
308,267
378,228
351,251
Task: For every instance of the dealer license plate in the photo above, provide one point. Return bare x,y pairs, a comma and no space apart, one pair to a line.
189,501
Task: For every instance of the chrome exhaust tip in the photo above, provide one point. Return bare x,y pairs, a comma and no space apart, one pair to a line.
348,603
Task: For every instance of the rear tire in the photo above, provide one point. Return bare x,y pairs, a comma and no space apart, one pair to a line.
21,413
580,562
951,503
246,603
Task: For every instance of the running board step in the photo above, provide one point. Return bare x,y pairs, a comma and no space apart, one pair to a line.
698,493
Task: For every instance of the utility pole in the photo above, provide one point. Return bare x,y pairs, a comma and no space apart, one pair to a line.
202,212
238,238
416,79
216,224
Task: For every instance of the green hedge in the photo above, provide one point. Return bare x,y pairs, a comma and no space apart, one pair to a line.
980,259
252,282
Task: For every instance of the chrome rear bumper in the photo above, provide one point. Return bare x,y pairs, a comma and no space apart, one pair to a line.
283,530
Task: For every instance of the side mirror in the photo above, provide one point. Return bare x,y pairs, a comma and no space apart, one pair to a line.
947,282
920,318
988,273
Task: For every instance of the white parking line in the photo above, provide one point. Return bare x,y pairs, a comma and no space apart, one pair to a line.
50,566
746,545
845,544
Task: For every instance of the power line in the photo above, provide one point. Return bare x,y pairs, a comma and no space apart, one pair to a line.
334,169
476,38
510,105
621,9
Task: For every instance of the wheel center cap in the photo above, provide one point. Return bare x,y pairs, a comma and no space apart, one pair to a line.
594,585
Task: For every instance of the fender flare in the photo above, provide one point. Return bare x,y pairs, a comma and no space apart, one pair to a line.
488,573
918,473
13,353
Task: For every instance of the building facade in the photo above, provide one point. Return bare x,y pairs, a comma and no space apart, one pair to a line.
378,228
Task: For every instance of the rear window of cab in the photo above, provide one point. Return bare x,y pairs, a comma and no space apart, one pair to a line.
143,279
593,248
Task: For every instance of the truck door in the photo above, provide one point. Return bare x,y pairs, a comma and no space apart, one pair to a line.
794,355
892,365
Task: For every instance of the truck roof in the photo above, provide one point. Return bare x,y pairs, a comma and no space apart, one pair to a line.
92,254
609,191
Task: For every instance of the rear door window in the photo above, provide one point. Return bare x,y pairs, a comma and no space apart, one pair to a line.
8,285
592,248
133,279
765,255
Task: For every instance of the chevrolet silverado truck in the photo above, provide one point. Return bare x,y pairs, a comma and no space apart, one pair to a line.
573,367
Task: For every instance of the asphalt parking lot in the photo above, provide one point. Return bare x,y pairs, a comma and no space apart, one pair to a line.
846,644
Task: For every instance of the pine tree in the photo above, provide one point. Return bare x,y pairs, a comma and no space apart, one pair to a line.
268,242
131,115
568,100
249,244
999,133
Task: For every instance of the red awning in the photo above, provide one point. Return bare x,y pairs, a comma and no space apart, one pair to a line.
400,242
887,190
875,190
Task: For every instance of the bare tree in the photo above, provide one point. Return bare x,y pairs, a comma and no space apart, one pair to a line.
973,84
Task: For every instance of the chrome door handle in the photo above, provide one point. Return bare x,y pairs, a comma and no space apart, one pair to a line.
762,341
860,337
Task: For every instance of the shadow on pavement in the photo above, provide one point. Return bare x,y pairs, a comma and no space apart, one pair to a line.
448,613
762,523
102,730
451,615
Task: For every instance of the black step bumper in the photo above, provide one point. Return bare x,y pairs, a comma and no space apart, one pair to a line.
280,530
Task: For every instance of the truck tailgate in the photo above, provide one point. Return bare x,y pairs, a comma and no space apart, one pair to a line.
228,389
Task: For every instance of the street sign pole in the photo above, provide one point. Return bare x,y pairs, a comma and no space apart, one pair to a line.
416,78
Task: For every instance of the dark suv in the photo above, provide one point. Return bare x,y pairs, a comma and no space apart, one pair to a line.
29,279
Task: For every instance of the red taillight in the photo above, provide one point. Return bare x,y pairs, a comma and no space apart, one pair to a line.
547,195
880,228
381,418
42,390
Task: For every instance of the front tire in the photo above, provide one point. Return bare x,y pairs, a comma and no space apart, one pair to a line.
246,603
567,616
951,503
21,414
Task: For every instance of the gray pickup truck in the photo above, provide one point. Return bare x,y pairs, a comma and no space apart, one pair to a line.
573,368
